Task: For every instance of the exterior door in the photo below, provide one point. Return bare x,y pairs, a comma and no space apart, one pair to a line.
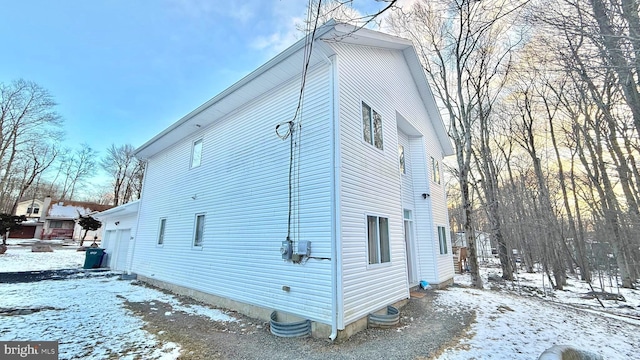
409,245
122,249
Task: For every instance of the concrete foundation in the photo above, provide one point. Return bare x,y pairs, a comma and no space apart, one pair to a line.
318,330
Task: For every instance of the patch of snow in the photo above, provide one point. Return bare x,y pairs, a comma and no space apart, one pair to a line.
508,326
140,294
67,211
521,319
18,258
89,319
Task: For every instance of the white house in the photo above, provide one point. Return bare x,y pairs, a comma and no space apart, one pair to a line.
483,243
358,187
119,225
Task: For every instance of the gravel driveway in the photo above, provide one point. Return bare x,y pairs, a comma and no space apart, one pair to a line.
421,334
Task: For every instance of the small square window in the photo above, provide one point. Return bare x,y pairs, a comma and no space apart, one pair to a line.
198,233
378,239
196,153
163,224
55,224
371,126
442,239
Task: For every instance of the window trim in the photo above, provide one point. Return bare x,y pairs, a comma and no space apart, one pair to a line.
195,231
435,170
193,151
380,263
162,230
442,242
51,222
402,159
371,127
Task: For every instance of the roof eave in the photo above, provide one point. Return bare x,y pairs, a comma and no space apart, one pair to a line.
297,46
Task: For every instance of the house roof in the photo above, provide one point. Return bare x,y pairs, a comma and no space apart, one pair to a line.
125,209
68,209
286,65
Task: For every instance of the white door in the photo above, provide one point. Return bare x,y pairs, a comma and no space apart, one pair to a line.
121,251
409,246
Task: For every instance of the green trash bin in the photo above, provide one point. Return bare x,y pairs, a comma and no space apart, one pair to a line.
93,258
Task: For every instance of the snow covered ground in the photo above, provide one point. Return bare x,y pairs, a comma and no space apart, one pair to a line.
86,315
513,320
88,318
20,258
520,322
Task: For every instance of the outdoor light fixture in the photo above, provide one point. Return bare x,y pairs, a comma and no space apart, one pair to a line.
424,195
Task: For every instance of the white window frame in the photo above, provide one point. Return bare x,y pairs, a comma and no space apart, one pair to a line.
378,241
197,143
162,229
442,240
194,244
402,160
435,170
372,140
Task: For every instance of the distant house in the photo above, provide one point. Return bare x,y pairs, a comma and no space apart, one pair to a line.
60,219
345,224
483,243
33,210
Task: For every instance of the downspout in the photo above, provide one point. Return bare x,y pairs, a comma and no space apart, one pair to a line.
135,236
336,269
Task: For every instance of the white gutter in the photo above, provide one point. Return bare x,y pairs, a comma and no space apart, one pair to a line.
336,258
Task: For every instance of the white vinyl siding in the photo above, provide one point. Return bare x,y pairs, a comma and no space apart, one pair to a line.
244,193
371,182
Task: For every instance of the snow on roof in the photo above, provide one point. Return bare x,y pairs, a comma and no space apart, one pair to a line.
71,209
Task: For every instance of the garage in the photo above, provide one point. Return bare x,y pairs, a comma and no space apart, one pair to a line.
119,225
25,231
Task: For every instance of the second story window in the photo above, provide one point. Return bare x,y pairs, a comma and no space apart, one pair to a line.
403,170
371,126
196,153
435,170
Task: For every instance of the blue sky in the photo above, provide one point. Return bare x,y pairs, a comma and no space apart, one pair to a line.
122,71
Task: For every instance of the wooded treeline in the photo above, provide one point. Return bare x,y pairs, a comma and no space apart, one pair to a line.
542,103
34,165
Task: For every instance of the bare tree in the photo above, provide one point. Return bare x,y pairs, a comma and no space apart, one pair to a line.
76,167
36,160
27,119
126,171
465,51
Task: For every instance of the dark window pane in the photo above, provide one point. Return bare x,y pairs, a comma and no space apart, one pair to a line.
366,123
372,235
384,240
377,130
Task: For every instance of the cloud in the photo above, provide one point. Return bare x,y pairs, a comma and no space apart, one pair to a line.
207,9
284,36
